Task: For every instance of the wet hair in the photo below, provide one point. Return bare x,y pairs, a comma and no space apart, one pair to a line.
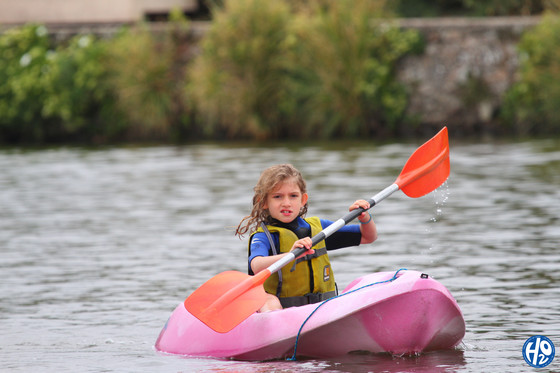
269,180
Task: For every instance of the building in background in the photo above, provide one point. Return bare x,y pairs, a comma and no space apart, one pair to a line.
88,11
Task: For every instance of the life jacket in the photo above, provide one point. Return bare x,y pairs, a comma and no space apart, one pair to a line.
309,279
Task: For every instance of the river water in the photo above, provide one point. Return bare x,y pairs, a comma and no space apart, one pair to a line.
98,246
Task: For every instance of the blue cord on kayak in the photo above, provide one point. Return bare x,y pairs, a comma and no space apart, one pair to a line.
293,358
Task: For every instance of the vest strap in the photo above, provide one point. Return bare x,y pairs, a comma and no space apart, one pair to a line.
318,252
274,252
309,298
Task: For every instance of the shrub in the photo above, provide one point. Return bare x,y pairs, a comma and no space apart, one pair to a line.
239,80
345,63
531,105
147,79
90,90
23,65
49,95
77,97
268,69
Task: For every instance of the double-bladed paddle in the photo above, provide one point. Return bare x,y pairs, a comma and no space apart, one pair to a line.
228,298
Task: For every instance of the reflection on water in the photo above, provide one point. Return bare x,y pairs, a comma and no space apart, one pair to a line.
99,246
432,362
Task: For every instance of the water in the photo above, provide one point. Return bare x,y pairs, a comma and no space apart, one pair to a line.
99,246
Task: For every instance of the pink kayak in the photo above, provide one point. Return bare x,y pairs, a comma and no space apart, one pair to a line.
400,313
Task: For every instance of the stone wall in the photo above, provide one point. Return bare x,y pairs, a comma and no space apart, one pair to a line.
467,66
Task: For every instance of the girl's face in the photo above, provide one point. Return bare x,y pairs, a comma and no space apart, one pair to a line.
285,201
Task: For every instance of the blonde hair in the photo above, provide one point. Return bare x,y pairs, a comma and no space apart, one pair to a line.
269,180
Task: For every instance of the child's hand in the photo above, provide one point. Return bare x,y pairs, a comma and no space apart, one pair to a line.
363,204
306,243
359,203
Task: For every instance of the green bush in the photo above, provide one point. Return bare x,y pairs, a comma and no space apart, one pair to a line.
239,81
49,94
268,69
147,78
77,97
130,87
24,62
345,60
531,105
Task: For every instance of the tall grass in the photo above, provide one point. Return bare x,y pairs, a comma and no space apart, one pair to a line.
344,61
146,75
531,105
239,82
138,69
314,69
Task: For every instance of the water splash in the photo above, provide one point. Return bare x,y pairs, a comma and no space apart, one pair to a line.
440,196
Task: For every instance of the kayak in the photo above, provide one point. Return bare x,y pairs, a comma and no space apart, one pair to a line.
402,312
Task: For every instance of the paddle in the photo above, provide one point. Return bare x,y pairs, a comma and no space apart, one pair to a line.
228,298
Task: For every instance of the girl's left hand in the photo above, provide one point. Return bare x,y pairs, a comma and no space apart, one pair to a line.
363,204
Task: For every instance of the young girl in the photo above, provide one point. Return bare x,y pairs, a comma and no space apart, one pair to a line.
277,226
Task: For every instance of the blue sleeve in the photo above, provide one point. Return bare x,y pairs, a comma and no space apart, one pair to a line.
349,235
259,247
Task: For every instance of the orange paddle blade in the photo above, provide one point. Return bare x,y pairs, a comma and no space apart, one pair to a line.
427,168
227,299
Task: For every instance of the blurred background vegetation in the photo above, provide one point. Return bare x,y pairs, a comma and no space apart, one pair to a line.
477,8
531,105
264,70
